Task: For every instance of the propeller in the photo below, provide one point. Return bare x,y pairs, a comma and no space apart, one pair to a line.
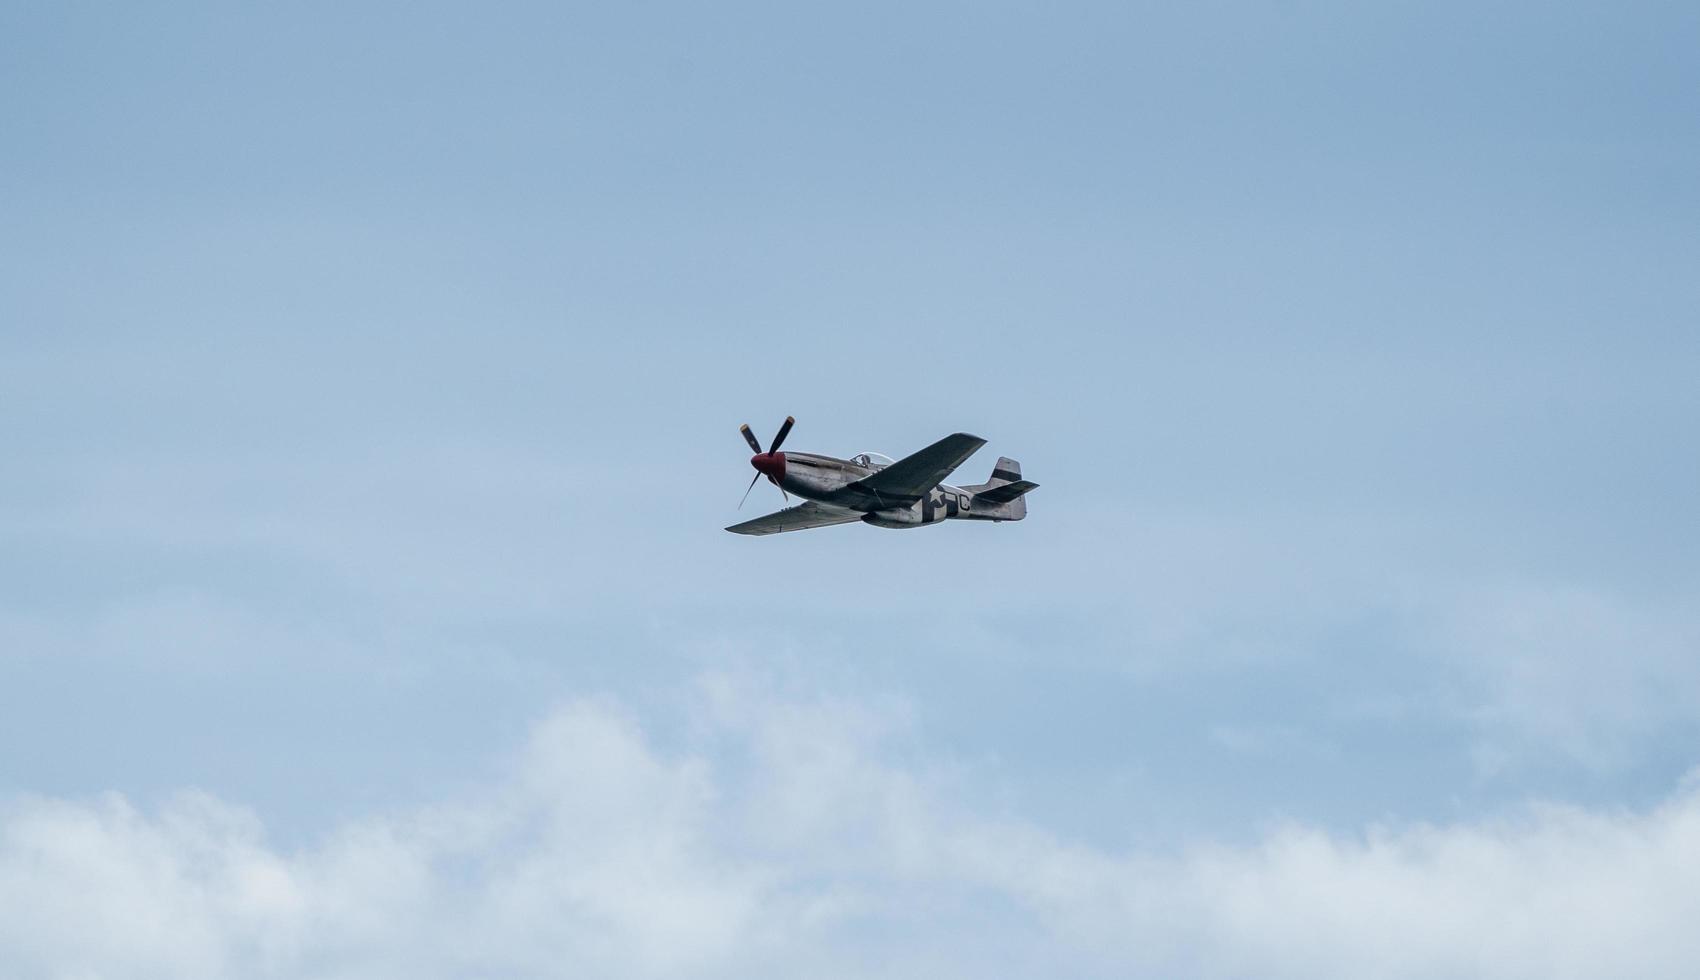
784,430
771,463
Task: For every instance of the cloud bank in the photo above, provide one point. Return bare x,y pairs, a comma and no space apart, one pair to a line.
785,835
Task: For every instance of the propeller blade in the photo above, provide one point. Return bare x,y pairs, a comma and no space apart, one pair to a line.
784,430
747,490
750,437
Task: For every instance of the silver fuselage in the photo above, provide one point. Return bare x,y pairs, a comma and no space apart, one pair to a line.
832,482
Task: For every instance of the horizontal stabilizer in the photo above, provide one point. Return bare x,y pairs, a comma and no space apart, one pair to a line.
1003,493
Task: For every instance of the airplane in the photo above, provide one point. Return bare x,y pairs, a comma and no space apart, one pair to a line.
877,490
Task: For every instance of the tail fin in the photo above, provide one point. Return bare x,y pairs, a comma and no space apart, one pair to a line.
1000,498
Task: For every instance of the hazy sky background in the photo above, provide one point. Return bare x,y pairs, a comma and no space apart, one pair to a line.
371,376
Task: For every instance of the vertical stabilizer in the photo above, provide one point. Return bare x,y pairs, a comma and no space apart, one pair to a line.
1007,471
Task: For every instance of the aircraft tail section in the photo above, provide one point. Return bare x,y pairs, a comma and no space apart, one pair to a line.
1002,498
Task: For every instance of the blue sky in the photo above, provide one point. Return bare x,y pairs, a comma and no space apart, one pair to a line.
372,376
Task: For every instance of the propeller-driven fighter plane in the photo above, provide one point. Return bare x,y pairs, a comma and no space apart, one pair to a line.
874,489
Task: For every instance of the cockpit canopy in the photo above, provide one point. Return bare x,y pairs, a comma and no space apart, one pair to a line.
876,461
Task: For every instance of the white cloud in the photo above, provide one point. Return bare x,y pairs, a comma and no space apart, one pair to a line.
787,837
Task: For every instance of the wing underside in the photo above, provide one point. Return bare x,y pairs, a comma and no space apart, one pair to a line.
912,477
798,518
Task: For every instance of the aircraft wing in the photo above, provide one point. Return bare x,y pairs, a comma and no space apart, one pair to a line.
912,477
798,518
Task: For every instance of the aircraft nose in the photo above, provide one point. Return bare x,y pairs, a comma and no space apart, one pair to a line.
771,465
